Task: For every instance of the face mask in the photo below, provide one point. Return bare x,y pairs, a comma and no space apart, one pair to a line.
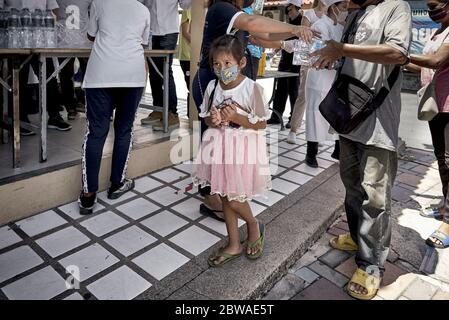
359,2
438,14
341,15
228,75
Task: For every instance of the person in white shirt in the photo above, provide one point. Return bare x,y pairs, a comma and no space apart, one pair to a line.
30,4
115,78
73,18
165,30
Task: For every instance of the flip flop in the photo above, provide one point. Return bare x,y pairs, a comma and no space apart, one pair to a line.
367,281
442,237
204,210
259,243
431,212
227,258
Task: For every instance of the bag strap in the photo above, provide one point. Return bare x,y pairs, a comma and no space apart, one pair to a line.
211,98
384,92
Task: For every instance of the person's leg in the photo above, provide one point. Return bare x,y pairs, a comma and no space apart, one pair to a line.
279,100
300,104
126,101
379,168
293,84
185,66
156,81
98,112
68,88
312,152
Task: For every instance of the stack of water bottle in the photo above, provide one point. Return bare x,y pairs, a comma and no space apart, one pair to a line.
25,29
302,50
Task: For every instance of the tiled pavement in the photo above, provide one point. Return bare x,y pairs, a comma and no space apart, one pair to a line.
131,244
414,271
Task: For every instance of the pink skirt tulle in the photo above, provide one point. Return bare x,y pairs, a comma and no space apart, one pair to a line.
234,163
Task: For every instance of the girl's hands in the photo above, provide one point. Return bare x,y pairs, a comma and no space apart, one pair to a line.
228,113
215,116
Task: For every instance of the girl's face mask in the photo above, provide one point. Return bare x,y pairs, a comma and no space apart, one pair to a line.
438,14
228,75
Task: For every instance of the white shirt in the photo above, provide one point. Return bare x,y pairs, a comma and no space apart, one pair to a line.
120,28
30,4
165,15
310,14
74,14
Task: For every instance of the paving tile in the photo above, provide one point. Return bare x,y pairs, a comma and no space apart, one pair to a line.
343,226
14,262
296,157
286,162
441,295
195,240
273,197
103,196
296,177
256,208
189,208
395,290
336,231
409,179
307,275
41,285
329,274
121,284
284,186
325,156
186,167
40,223
334,258
138,208
325,163
401,194
62,241
104,223
285,289
130,240
308,170
322,290
420,290
287,145
392,273
146,184
8,237
73,210
276,170
186,186
347,268
169,175
161,261
89,261
166,196
313,253
164,223
75,296
218,226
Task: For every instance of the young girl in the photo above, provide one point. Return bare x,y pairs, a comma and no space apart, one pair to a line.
233,159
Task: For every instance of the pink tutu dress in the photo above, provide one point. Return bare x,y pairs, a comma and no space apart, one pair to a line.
233,162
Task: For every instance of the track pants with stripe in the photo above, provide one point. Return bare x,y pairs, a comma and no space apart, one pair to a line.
100,105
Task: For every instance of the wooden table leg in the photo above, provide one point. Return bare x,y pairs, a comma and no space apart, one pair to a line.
43,108
16,113
5,134
166,91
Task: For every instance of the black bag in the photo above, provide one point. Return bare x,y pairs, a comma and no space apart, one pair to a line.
350,102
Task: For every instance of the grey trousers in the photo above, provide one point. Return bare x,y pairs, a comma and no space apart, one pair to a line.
368,175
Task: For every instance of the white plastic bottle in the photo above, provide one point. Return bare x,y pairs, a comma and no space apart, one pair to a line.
3,29
38,29
50,30
26,30
14,29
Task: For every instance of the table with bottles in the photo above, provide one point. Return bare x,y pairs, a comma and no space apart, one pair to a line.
25,34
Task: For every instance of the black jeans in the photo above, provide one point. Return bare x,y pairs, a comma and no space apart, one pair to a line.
167,42
68,97
185,66
439,129
286,87
99,108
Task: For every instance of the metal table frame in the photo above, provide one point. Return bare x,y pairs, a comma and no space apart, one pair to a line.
68,54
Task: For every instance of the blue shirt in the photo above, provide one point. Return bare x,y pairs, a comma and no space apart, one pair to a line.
255,51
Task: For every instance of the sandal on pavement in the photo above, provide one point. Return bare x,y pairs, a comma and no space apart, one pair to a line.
343,242
367,281
259,243
204,210
431,212
442,237
221,254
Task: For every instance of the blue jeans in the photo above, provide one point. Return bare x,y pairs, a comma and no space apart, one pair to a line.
167,42
99,109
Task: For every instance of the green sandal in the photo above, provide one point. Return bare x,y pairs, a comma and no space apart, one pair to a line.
227,258
259,243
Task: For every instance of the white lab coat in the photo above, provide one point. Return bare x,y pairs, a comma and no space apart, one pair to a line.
318,85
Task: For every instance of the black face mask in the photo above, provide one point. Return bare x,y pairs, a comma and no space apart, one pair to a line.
247,3
359,2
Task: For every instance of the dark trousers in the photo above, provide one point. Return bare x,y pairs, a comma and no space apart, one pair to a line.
439,128
99,108
368,175
185,66
68,97
167,42
286,88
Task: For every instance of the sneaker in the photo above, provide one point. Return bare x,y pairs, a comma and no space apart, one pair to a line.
71,115
25,132
87,204
288,125
154,117
291,137
58,124
173,122
117,191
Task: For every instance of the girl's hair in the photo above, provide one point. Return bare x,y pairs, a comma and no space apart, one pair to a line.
227,44
236,3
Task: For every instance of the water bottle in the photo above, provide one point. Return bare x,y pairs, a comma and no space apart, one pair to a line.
3,29
14,29
50,30
38,29
317,44
26,30
301,50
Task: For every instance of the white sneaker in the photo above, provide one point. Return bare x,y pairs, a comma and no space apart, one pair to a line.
291,137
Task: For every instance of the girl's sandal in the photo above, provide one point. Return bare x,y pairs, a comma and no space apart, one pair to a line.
343,242
367,281
259,243
221,254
